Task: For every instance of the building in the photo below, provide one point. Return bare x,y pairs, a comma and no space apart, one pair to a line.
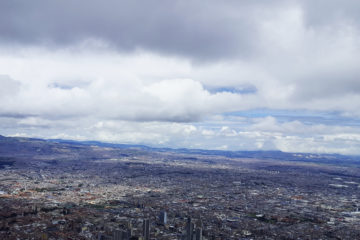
146,229
189,229
163,217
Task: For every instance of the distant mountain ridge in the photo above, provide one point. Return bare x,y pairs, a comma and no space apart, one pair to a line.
336,159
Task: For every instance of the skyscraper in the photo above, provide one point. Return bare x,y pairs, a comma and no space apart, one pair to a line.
189,229
146,229
163,217
117,235
198,234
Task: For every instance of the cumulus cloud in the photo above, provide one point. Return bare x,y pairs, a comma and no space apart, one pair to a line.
58,86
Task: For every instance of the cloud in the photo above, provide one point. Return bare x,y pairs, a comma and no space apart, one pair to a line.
324,13
63,85
158,70
191,29
176,27
8,86
238,134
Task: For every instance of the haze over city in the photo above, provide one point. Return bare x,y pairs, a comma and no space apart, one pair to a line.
231,75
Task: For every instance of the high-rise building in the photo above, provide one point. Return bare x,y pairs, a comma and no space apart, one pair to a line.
198,234
117,235
34,209
121,235
163,217
100,236
146,229
189,229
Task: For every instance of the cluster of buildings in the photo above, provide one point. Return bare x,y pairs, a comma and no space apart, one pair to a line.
169,196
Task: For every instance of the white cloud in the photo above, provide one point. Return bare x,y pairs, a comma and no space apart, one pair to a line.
258,134
108,85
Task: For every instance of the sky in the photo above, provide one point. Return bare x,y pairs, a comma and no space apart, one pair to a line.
229,75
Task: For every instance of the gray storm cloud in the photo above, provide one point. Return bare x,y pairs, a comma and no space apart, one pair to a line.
193,28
